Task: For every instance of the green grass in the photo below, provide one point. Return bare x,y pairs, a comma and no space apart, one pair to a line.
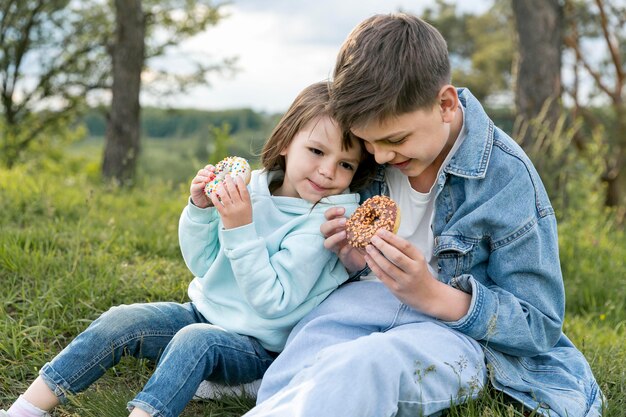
71,247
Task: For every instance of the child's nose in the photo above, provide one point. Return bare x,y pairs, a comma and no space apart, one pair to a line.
327,170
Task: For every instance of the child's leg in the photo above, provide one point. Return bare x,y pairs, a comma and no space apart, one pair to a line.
25,408
40,395
200,352
414,369
140,330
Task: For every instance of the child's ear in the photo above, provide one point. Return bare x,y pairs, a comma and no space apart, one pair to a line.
448,103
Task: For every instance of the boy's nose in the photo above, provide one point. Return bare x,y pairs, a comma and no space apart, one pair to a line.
383,156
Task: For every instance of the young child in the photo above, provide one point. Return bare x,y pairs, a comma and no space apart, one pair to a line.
469,290
260,265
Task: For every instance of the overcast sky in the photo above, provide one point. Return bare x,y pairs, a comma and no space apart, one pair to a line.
282,46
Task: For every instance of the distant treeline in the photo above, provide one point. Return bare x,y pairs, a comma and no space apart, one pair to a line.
184,123
169,123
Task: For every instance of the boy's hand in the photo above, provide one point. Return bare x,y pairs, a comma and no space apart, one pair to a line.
404,270
400,266
334,230
198,197
232,201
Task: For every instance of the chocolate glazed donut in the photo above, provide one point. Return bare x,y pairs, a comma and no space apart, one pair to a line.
375,213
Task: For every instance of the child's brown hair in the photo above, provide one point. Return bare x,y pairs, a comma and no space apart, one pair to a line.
309,105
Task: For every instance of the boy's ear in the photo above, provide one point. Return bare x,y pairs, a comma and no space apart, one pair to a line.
448,102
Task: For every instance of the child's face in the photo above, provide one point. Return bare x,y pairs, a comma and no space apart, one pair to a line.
316,166
413,142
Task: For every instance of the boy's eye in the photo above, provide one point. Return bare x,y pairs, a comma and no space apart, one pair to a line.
347,166
395,141
316,151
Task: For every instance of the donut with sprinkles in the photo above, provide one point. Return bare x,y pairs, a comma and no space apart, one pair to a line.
232,165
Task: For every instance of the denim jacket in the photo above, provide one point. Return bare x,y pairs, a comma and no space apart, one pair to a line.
496,238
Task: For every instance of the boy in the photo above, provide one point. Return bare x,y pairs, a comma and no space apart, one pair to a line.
471,281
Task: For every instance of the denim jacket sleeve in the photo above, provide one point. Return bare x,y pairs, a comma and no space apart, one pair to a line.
509,259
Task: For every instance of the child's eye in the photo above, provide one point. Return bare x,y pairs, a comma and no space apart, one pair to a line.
347,166
316,151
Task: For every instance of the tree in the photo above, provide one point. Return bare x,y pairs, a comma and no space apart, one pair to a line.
481,46
538,75
175,20
49,60
56,54
593,24
127,52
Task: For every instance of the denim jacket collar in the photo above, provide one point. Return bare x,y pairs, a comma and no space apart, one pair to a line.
472,158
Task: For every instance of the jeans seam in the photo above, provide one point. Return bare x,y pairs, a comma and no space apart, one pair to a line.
395,318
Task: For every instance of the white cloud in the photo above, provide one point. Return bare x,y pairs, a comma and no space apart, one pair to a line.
282,46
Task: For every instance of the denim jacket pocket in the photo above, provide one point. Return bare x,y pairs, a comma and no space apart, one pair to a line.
454,256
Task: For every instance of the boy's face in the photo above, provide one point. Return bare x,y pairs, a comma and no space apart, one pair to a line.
316,165
414,142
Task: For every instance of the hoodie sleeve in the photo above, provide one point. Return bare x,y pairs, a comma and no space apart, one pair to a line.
197,236
276,284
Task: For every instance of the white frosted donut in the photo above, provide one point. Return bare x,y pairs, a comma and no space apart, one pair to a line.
231,165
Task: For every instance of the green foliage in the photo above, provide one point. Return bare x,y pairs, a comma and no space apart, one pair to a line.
56,53
182,123
46,133
184,138
481,47
592,241
47,59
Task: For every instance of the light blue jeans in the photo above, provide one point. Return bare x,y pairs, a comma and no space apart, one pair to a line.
187,348
364,353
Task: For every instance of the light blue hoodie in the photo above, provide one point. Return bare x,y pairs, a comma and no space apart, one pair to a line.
262,278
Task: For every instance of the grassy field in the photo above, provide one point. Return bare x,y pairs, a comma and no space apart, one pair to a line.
71,247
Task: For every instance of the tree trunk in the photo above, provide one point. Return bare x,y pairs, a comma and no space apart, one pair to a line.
123,124
538,83
615,171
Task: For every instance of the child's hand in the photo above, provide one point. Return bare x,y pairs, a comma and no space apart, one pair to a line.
232,201
196,189
334,230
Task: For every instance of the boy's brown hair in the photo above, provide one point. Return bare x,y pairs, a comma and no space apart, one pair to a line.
308,106
389,65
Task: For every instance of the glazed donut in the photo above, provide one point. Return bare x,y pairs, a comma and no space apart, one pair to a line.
232,165
375,213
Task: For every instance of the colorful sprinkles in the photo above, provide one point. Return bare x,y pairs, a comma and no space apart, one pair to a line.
232,165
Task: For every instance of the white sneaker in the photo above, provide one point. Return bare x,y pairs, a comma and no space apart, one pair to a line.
214,391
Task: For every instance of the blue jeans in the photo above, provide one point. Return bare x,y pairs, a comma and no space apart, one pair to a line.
364,351
187,348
